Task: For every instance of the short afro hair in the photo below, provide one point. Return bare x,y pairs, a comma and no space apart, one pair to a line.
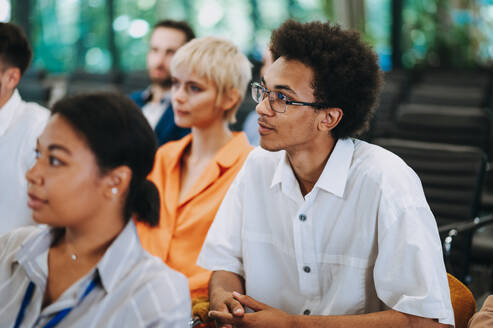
15,50
346,72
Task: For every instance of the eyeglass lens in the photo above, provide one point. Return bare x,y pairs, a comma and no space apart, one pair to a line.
276,104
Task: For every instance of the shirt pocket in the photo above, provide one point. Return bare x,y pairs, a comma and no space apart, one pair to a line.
347,284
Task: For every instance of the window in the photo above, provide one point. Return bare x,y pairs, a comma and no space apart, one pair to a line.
5,9
71,35
98,35
378,26
432,30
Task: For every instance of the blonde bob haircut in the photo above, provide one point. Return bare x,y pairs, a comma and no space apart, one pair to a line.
220,61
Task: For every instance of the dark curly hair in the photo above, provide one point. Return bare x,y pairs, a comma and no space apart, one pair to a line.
346,73
15,50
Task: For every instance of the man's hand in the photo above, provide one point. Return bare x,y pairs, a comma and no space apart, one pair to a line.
264,316
226,305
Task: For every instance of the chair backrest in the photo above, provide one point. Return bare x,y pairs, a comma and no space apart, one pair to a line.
431,93
451,176
82,82
34,90
463,301
468,126
455,77
134,81
390,96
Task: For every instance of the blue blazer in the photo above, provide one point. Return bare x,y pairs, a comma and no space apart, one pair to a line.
166,129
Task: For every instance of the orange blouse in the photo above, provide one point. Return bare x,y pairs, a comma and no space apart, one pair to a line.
183,226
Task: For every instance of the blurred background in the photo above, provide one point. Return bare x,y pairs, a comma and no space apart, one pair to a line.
434,110
100,36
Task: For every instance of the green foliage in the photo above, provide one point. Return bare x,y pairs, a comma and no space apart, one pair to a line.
444,33
78,34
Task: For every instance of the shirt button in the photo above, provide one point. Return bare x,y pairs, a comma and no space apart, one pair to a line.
306,269
302,217
307,312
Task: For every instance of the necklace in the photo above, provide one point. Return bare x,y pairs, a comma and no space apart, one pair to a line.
73,252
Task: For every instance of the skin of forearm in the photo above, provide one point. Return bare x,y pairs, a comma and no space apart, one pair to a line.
384,319
225,281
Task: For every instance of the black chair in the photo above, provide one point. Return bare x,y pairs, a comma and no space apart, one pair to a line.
468,126
457,77
395,84
475,238
134,81
82,82
451,87
446,95
383,122
32,90
451,176
32,87
482,242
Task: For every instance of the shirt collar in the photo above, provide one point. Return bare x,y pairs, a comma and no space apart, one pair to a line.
35,246
283,170
232,151
147,96
177,147
334,176
118,259
225,157
8,111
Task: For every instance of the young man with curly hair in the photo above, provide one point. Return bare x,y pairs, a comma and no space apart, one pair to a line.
320,229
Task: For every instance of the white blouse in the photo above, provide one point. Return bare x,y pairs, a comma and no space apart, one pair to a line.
134,289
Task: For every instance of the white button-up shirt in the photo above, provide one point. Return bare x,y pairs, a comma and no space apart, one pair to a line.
21,123
154,111
363,240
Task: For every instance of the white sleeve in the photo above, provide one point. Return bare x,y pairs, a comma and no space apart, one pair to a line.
222,249
409,271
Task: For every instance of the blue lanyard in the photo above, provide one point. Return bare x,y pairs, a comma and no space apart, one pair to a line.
60,315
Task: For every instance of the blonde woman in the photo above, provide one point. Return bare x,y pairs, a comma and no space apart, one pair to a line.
209,78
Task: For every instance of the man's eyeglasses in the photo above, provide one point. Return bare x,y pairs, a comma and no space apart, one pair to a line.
277,101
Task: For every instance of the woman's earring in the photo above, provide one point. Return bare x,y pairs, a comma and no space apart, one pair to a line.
114,191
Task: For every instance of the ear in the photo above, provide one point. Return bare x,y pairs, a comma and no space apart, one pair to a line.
330,118
117,182
229,99
11,78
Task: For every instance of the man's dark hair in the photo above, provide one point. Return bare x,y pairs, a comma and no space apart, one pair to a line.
346,72
15,50
177,25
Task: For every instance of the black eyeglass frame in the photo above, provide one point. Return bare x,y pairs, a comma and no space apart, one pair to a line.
256,85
